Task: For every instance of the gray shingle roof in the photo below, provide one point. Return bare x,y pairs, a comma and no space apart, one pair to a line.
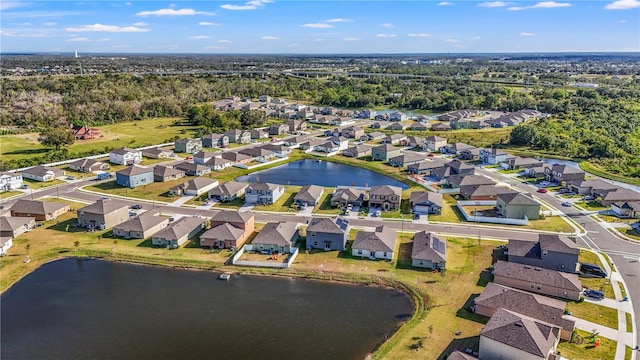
537,275
134,170
425,197
516,198
232,216
521,332
427,246
228,188
36,207
224,231
385,190
179,228
276,233
328,225
382,239
143,222
311,193
14,223
104,206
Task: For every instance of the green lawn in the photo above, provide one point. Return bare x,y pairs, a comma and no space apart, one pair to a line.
629,322
450,212
595,313
10,193
589,257
154,191
235,204
603,285
628,353
586,350
76,174
284,203
325,204
33,184
623,292
131,134
590,205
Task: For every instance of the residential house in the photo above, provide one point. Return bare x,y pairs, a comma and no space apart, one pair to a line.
397,116
264,98
189,146
40,210
537,172
238,136
353,132
419,126
373,136
277,149
88,165
429,251
237,158
295,125
12,227
215,140
295,141
590,186
309,195
279,129
384,152
414,141
423,167
483,192
516,163
341,141
311,144
125,156
563,174
179,232
492,156
10,181
327,234
342,121
425,202
6,242
367,114
470,154
83,132
406,159
386,197
163,173
218,163
103,214
192,169
229,229
228,191
277,237
394,139
141,226
195,187
134,176
550,310
42,173
157,153
345,196
357,151
608,198
441,127
377,244
509,335
456,148
201,157
626,209
435,143
538,280
259,154
515,205
258,134
459,181
397,126
551,251
263,193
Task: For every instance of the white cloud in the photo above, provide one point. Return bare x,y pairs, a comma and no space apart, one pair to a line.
493,4
387,25
476,38
527,34
318,26
6,5
623,5
223,41
269,37
249,5
351,39
451,40
543,5
199,37
140,23
622,21
445,3
423,35
173,12
127,3
51,23
25,24
102,40
207,23
30,34
337,20
386,35
106,28
292,45
79,39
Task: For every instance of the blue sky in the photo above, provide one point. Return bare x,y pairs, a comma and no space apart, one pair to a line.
320,27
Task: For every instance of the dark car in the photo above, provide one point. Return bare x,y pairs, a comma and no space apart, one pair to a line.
136,207
592,270
595,294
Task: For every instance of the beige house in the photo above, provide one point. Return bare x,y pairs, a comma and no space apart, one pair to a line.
179,232
40,210
103,214
229,229
141,227
538,280
377,244
11,227
386,197
276,237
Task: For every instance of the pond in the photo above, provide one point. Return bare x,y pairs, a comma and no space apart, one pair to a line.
89,309
319,172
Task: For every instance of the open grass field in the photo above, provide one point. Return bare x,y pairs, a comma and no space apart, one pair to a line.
586,350
131,134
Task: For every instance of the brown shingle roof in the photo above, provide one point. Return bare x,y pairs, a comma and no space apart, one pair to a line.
232,216
36,207
276,233
327,225
537,275
427,246
382,239
103,206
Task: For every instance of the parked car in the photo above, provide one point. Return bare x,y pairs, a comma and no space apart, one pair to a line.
71,177
566,203
378,213
136,207
592,270
542,190
595,294
24,186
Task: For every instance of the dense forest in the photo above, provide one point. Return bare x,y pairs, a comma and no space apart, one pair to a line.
599,123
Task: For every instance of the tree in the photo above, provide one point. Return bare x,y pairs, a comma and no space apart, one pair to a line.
76,244
56,137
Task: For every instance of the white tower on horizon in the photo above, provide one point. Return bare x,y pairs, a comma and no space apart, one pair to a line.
76,54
